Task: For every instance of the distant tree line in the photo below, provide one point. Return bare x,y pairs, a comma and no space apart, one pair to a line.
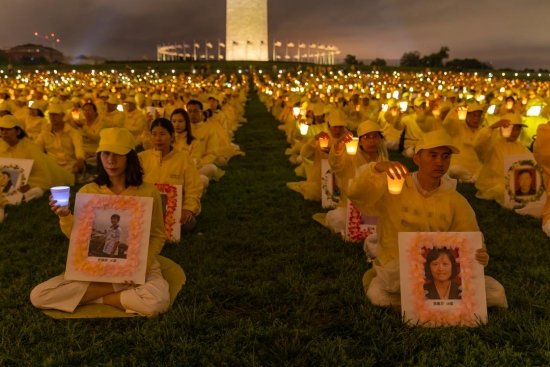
433,60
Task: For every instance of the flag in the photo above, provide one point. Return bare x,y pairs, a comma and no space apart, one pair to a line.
277,44
221,44
209,45
290,44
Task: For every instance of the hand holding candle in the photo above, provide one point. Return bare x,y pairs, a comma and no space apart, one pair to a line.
395,172
61,194
351,146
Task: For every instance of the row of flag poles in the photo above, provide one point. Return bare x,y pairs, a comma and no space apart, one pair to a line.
316,53
177,51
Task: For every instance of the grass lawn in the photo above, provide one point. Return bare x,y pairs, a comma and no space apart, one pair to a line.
268,286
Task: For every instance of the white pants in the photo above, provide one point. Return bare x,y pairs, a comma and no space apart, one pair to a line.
384,289
336,219
149,299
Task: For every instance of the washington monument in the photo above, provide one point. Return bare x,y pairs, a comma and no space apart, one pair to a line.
246,30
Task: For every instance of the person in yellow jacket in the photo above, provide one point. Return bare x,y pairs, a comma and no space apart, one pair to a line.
134,120
206,136
428,202
185,141
164,164
62,142
345,167
491,148
35,121
416,124
541,151
89,128
119,173
314,151
45,172
112,116
466,165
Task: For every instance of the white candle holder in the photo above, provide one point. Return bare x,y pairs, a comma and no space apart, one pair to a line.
323,143
351,146
61,194
395,185
304,128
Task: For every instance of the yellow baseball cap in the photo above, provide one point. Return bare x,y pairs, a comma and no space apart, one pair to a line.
366,127
117,140
434,139
9,122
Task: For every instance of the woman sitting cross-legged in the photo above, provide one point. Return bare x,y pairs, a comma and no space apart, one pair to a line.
119,173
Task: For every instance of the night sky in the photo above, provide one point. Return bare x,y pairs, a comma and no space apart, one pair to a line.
505,33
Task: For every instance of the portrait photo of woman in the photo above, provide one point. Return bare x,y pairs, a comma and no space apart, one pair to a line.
441,272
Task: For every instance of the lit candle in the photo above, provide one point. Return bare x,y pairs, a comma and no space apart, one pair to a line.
395,185
436,113
462,112
303,128
61,194
323,142
351,146
75,114
403,105
296,111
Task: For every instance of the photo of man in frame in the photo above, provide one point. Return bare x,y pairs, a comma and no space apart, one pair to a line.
525,182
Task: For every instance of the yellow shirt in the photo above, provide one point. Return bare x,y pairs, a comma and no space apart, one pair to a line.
209,140
156,236
444,210
45,172
492,148
176,168
64,147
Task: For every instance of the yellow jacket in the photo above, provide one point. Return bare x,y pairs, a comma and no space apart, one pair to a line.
444,210
64,147
45,172
176,168
492,148
464,138
156,236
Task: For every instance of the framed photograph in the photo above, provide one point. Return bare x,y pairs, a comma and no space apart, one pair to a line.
441,282
172,196
359,225
522,181
14,173
330,192
110,238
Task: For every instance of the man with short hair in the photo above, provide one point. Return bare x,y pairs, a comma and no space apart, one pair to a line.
428,202
62,142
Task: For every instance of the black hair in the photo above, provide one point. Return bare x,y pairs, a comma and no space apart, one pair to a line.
181,111
433,254
134,171
196,103
94,107
115,216
20,133
164,123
